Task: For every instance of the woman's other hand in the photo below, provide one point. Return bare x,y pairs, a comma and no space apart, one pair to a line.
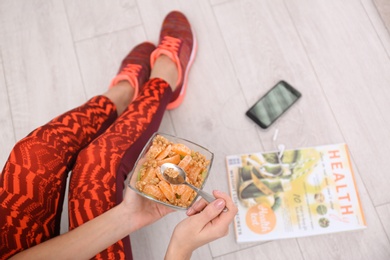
206,223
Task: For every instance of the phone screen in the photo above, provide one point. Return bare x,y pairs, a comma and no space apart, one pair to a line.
273,104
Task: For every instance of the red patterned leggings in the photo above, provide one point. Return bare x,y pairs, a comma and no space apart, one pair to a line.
100,150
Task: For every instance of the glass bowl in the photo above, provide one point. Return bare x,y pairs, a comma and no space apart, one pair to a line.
146,179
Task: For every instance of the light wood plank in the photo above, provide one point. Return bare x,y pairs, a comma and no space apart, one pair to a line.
384,215
97,71
7,137
378,12
383,7
283,249
89,19
217,2
40,64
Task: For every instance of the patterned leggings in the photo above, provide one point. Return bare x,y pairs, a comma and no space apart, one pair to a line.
100,150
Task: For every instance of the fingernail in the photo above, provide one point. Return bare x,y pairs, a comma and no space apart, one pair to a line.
218,192
190,211
219,203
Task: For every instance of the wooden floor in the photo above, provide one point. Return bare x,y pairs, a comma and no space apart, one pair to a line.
56,54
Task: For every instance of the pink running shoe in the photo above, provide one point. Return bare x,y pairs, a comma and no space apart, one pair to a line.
177,41
135,68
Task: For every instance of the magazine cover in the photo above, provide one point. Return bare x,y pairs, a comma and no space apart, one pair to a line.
302,192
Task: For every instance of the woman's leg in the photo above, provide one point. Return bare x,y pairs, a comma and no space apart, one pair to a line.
32,183
94,180
97,180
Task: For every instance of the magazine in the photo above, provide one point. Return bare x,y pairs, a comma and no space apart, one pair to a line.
297,193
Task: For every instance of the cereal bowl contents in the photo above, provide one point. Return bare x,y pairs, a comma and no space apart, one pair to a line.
147,180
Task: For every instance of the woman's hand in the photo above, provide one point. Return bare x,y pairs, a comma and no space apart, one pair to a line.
141,211
206,222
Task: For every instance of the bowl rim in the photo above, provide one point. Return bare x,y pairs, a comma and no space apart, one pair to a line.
140,157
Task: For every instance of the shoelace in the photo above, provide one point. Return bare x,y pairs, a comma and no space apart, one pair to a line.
132,70
170,43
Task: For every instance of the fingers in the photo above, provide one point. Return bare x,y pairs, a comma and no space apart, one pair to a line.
213,211
216,221
201,204
232,209
226,217
197,207
207,222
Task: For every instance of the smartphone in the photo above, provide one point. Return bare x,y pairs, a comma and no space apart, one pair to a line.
273,104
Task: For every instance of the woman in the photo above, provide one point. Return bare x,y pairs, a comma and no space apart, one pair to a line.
100,142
